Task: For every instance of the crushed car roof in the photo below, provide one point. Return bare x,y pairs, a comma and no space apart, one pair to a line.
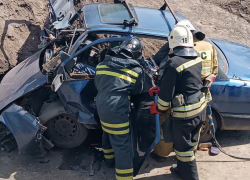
151,22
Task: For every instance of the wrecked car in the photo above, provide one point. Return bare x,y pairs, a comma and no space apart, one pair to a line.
49,98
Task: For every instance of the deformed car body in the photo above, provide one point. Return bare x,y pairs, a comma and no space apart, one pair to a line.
59,104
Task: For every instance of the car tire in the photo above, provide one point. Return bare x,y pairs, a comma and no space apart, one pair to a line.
65,131
205,131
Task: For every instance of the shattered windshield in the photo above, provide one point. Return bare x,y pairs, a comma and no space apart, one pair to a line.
114,13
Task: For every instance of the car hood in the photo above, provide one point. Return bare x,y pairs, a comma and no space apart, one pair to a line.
22,79
238,57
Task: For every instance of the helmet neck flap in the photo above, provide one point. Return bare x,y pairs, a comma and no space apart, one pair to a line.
185,52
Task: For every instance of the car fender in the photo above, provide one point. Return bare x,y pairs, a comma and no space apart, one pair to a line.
50,110
23,126
219,118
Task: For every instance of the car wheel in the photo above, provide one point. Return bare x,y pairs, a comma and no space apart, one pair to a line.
65,131
205,130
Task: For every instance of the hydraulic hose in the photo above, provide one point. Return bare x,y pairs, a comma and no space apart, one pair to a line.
224,152
211,122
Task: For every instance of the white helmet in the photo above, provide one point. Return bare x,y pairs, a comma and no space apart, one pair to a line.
198,34
186,23
180,36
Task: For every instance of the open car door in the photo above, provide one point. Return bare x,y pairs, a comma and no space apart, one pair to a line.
61,10
145,130
145,127
77,91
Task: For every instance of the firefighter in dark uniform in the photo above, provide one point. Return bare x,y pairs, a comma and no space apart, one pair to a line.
117,78
206,51
181,87
208,55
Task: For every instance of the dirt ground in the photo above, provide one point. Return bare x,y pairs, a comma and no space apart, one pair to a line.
20,25
75,164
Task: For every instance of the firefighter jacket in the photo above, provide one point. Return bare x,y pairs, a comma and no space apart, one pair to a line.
206,52
161,54
182,76
208,55
118,75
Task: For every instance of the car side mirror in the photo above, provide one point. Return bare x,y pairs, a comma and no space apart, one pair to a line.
57,82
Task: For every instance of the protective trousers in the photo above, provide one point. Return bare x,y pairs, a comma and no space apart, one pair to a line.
113,110
186,134
162,148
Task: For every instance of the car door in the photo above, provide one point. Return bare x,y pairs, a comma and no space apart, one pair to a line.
145,127
231,99
60,10
76,91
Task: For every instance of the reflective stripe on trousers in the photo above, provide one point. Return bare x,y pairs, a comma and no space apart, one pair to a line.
186,135
115,129
124,174
109,153
187,156
117,148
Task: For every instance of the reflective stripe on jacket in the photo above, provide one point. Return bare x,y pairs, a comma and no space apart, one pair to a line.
182,76
116,74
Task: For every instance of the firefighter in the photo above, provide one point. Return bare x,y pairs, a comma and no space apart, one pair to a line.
205,50
117,78
208,55
181,87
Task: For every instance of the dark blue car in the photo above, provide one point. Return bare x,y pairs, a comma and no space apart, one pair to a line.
231,91
49,99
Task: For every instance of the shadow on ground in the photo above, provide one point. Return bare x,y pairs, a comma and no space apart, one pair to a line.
29,47
233,138
155,170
